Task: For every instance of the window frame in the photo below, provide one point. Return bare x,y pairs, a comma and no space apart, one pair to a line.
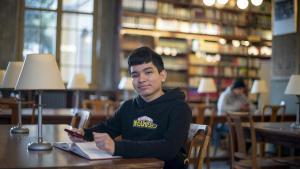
59,12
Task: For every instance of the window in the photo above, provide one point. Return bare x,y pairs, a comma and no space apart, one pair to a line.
63,28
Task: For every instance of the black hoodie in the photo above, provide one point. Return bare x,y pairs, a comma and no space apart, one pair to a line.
150,129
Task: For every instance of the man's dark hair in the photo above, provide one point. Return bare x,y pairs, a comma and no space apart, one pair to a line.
145,55
238,83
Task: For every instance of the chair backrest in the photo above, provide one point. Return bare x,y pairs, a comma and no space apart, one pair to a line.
80,118
275,110
12,104
102,107
200,110
237,137
198,138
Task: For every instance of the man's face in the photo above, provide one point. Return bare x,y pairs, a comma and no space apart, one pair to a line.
147,81
238,91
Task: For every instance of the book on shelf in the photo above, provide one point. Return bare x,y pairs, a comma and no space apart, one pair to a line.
87,150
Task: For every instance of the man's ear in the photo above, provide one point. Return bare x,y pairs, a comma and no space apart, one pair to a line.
163,75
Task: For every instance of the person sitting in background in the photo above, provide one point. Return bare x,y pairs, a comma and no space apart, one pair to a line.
233,99
153,124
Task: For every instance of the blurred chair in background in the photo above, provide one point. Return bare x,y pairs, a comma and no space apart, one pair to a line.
100,107
198,140
274,111
201,111
80,118
240,158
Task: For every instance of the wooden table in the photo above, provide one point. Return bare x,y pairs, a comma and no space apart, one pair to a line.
276,132
14,153
50,116
64,116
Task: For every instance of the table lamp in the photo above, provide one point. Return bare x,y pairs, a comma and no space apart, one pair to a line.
1,79
259,87
207,85
78,82
293,88
1,76
40,72
126,85
9,82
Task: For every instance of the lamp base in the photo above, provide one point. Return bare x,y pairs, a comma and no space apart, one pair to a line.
295,125
19,130
40,146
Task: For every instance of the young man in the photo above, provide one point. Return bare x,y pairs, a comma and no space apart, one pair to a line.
154,124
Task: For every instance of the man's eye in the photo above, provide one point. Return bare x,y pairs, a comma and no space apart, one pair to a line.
149,72
134,75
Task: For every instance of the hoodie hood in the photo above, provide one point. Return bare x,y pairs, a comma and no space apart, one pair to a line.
169,95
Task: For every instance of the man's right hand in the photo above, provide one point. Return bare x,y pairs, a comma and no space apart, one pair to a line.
245,107
76,139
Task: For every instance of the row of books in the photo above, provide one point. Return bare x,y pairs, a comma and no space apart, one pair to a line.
175,64
217,15
203,70
176,79
193,27
226,72
230,48
194,96
147,6
181,45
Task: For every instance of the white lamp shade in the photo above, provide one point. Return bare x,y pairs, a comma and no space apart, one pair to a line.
125,83
11,75
2,72
293,86
78,81
40,72
207,85
259,86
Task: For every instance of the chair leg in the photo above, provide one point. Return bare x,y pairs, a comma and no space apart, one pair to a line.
207,159
262,149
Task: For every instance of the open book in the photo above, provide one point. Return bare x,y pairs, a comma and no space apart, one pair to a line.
87,150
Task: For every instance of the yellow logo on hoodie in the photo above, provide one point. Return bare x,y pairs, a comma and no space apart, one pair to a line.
144,122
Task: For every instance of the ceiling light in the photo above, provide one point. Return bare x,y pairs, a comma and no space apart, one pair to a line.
236,43
209,2
245,43
222,2
242,4
222,41
256,2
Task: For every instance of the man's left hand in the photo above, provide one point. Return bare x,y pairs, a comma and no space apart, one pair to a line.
104,142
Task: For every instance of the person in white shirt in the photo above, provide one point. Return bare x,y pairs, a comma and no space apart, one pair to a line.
234,99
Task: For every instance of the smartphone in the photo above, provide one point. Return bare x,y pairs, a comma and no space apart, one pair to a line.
74,134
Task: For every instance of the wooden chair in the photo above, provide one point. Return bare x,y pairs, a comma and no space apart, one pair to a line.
239,156
12,104
201,110
275,110
198,138
100,107
80,118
